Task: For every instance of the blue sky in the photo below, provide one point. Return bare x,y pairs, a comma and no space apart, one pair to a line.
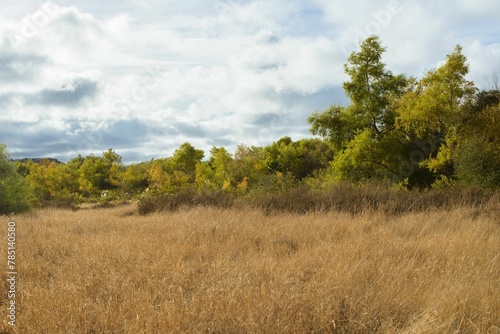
144,76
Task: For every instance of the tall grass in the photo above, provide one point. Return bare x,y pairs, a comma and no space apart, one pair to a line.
209,270
342,197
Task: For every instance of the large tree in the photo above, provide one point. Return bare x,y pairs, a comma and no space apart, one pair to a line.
363,133
433,110
371,88
185,159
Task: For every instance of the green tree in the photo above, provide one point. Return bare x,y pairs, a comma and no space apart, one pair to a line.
484,99
159,178
475,166
134,179
51,180
371,88
478,167
298,159
177,172
15,191
275,158
43,177
223,165
185,159
366,158
334,124
314,154
250,166
205,177
434,109
100,173
366,142
217,173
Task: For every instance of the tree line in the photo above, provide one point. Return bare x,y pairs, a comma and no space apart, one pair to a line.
404,132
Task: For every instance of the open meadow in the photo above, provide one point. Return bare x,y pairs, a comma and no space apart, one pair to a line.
207,270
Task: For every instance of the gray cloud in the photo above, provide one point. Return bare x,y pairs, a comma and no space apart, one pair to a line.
123,132
266,37
69,96
36,142
122,135
190,130
222,142
18,67
224,72
6,100
267,119
24,140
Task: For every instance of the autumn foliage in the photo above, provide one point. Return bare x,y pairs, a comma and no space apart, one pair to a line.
401,132
386,223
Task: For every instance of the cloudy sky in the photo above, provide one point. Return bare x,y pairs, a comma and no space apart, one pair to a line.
144,76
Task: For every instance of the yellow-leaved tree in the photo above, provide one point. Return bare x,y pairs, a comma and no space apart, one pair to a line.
434,108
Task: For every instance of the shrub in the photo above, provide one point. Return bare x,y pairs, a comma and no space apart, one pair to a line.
341,197
15,191
479,167
344,197
185,198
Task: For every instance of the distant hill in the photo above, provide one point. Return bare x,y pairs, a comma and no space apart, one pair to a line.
37,160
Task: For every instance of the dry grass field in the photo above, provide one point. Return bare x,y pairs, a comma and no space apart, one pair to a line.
206,270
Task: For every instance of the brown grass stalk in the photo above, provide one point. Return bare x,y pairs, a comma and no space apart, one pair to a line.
208,270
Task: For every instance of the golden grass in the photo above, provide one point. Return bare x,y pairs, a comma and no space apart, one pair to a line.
233,271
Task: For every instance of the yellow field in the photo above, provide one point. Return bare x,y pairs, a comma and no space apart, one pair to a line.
232,271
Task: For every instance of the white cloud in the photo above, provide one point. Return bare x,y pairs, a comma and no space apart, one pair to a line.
483,62
479,9
144,76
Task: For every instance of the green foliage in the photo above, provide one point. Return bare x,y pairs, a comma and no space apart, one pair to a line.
223,165
185,159
371,88
217,173
333,124
409,131
434,104
435,132
44,178
99,173
478,166
478,155
356,161
484,123
179,172
435,108
205,177
134,179
250,166
298,159
79,179
363,133
15,191
158,177
483,100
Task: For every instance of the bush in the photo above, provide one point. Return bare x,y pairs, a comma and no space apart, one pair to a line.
185,198
478,163
15,191
341,197
344,197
